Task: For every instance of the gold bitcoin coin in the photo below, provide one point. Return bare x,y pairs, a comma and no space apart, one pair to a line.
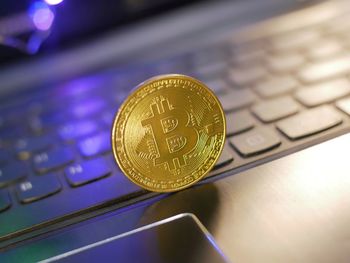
169,133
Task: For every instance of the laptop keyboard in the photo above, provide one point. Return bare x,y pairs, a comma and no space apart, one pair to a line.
280,94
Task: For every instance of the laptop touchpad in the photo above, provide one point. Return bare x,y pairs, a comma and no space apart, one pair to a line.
181,238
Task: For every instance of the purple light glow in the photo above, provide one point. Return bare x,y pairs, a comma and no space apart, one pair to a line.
42,16
43,19
53,2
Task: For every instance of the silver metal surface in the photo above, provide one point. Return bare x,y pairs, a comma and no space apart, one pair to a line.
294,209
179,246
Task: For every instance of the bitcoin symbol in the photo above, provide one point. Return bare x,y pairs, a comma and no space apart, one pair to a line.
184,133
174,139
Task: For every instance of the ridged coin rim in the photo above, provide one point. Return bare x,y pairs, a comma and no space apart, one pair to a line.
126,101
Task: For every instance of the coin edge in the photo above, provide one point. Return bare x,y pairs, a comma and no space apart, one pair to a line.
125,102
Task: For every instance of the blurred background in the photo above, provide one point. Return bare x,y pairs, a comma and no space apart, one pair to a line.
27,26
63,39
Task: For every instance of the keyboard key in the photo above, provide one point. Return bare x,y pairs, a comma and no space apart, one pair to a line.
4,156
238,122
2,122
37,188
211,69
107,118
205,56
224,159
51,118
323,93
310,122
276,86
217,85
170,64
88,171
246,76
11,133
237,99
334,67
26,146
251,56
36,125
344,105
294,40
346,39
275,109
12,172
116,188
255,141
73,130
285,63
5,201
52,159
88,108
338,25
325,49
35,107
95,145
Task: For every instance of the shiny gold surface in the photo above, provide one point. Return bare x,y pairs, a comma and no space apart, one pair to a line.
169,133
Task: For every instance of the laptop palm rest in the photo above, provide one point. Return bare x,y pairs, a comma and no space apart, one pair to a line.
181,238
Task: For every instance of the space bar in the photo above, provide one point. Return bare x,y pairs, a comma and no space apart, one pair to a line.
324,70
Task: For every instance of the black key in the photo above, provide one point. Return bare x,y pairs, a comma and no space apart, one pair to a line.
238,122
5,201
73,130
53,159
4,156
237,99
224,159
12,172
95,145
88,171
276,86
310,122
323,93
38,188
255,141
275,109
26,146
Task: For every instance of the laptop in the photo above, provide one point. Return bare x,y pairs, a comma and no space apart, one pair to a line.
280,188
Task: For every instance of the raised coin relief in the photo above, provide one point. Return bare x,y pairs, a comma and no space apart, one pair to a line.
169,133
173,138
